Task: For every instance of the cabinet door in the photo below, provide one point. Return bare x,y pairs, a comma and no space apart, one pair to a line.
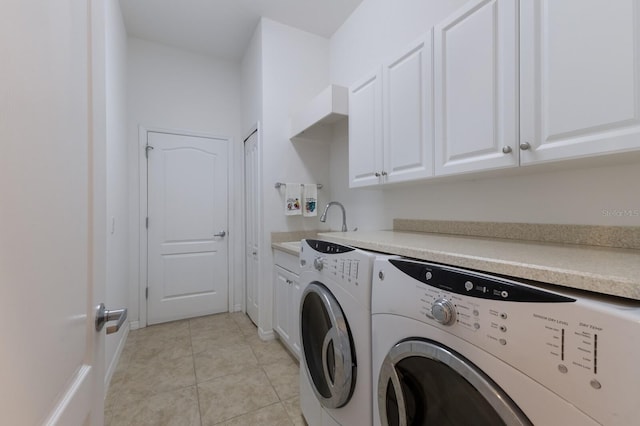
580,82
408,113
296,296
476,82
365,131
282,303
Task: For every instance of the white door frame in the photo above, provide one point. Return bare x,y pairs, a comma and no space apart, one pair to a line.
233,228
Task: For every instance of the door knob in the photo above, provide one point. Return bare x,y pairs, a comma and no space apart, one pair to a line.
220,234
103,316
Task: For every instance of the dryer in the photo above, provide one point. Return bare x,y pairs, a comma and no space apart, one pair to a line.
456,347
335,334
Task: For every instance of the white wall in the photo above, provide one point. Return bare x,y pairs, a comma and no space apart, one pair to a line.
179,90
251,82
283,69
295,68
566,194
117,288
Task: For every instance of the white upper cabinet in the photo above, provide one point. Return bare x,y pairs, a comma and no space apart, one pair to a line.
506,83
391,120
408,113
365,130
330,106
580,78
476,88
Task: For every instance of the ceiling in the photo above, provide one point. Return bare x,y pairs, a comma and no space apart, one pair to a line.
223,28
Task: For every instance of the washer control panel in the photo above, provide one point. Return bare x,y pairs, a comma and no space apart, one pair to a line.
581,346
347,266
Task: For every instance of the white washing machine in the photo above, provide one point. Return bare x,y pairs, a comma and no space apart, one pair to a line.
335,334
457,347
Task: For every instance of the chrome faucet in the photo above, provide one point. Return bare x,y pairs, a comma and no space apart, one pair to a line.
323,218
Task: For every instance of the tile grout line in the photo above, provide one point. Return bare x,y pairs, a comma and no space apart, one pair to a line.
195,376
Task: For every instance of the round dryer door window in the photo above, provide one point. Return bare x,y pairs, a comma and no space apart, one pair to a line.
424,383
327,346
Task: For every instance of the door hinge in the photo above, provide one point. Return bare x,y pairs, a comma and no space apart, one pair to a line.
146,222
146,293
147,149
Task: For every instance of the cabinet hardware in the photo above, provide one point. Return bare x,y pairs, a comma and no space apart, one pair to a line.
506,149
525,146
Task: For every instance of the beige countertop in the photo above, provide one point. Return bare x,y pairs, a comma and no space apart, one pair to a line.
291,247
612,271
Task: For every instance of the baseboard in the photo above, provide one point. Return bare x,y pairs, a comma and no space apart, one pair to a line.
266,335
134,325
116,358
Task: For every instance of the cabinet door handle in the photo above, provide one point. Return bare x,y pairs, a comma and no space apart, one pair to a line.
377,174
384,173
506,149
525,146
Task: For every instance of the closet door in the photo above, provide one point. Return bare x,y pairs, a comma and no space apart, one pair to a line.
476,82
580,81
253,209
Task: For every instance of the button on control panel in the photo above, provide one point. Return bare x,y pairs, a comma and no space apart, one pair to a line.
344,269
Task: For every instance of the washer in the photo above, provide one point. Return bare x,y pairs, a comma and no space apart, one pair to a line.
458,347
335,334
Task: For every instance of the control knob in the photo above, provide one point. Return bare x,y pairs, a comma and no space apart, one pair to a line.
318,263
443,311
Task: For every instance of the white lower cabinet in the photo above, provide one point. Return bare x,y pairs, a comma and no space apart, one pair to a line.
286,305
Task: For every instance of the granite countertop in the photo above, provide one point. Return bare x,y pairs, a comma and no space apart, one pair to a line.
606,270
291,247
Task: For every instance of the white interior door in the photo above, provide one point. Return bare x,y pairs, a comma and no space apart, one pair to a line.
187,242
252,223
51,215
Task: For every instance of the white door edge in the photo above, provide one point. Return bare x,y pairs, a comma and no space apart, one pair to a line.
257,129
234,228
79,392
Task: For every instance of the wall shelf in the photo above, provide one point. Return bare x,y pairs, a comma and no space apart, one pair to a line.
330,106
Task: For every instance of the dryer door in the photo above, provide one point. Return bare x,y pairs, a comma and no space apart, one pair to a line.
327,346
424,383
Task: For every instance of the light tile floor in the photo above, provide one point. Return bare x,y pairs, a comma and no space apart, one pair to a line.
211,370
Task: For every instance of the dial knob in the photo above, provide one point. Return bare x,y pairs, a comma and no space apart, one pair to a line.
443,311
318,263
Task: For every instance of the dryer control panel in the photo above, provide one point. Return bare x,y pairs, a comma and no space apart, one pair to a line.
578,345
